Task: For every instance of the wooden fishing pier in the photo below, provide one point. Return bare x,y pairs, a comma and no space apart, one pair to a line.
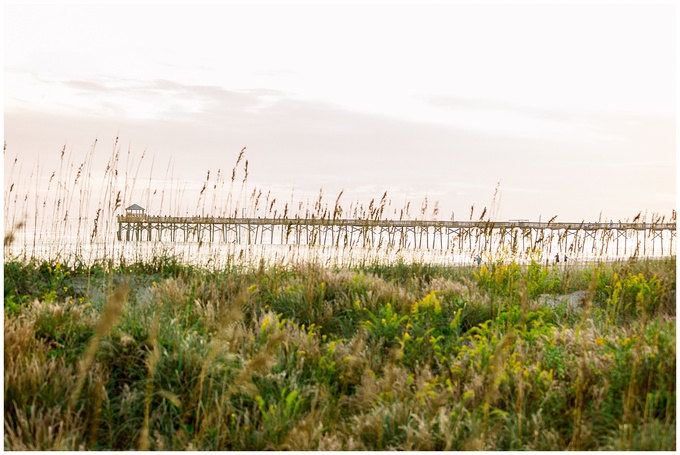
519,235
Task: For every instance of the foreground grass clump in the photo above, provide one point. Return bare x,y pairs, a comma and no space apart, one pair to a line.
165,356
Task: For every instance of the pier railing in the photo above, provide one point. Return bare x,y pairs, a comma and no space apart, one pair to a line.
343,222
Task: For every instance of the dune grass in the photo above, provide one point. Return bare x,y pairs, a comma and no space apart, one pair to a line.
163,355
108,350
65,208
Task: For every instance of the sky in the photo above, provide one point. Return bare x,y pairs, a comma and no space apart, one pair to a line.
533,110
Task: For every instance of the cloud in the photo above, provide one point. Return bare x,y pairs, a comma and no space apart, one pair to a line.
162,99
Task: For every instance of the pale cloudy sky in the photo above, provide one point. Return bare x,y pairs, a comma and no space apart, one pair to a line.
572,108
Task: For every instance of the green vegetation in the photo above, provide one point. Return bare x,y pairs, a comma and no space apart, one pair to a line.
163,355
114,345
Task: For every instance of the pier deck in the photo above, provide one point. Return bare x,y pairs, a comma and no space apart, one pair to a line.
469,235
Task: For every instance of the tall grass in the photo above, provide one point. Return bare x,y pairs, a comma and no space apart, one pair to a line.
109,347
69,214
407,357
